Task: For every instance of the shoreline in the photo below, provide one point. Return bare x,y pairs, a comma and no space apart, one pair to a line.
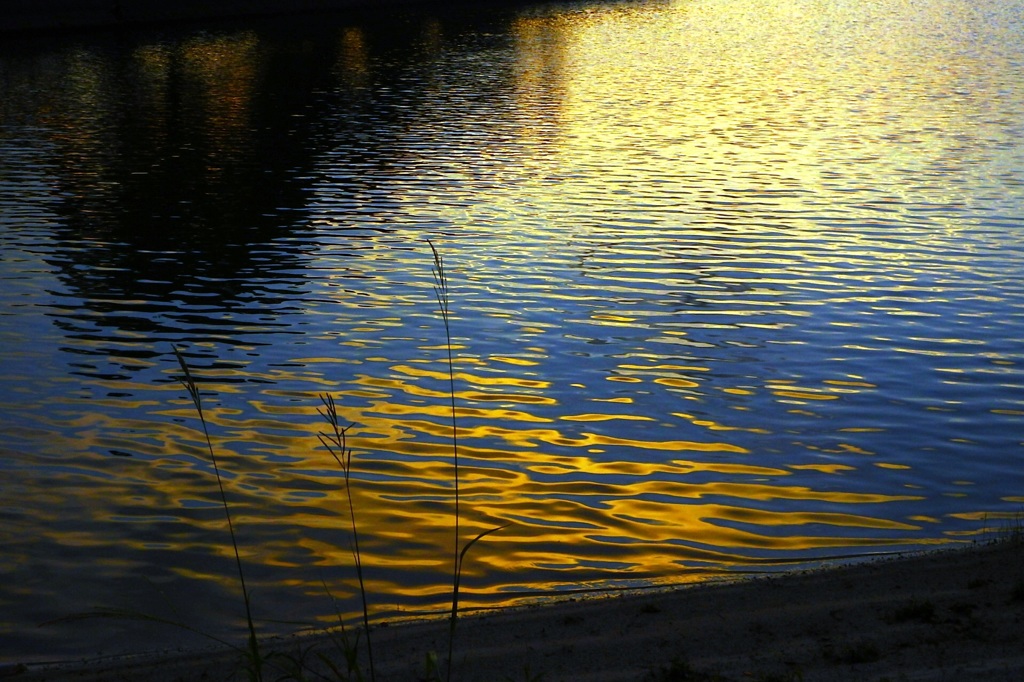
950,613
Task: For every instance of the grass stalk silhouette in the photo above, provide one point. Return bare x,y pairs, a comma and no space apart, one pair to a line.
255,657
348,648
459,551
336,443
443,303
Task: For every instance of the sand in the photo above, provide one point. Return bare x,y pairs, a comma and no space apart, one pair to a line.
952,614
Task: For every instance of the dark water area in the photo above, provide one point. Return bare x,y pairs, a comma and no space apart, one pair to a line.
736,287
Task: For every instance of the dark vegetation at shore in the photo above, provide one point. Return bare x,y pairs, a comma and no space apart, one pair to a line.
72,16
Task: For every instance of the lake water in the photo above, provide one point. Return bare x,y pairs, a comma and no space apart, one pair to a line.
736,286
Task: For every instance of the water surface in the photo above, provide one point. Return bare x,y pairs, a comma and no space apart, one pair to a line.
735,286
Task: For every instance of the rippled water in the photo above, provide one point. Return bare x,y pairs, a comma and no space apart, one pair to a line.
735,285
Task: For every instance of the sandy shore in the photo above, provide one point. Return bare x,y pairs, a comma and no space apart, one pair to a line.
945,615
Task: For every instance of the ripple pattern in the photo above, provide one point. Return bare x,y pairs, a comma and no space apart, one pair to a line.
735,286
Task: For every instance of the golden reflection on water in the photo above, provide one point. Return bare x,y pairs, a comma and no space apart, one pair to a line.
766,90
641,520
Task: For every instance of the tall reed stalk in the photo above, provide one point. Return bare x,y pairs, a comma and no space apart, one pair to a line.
336,443
255,658
459,551
443,303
